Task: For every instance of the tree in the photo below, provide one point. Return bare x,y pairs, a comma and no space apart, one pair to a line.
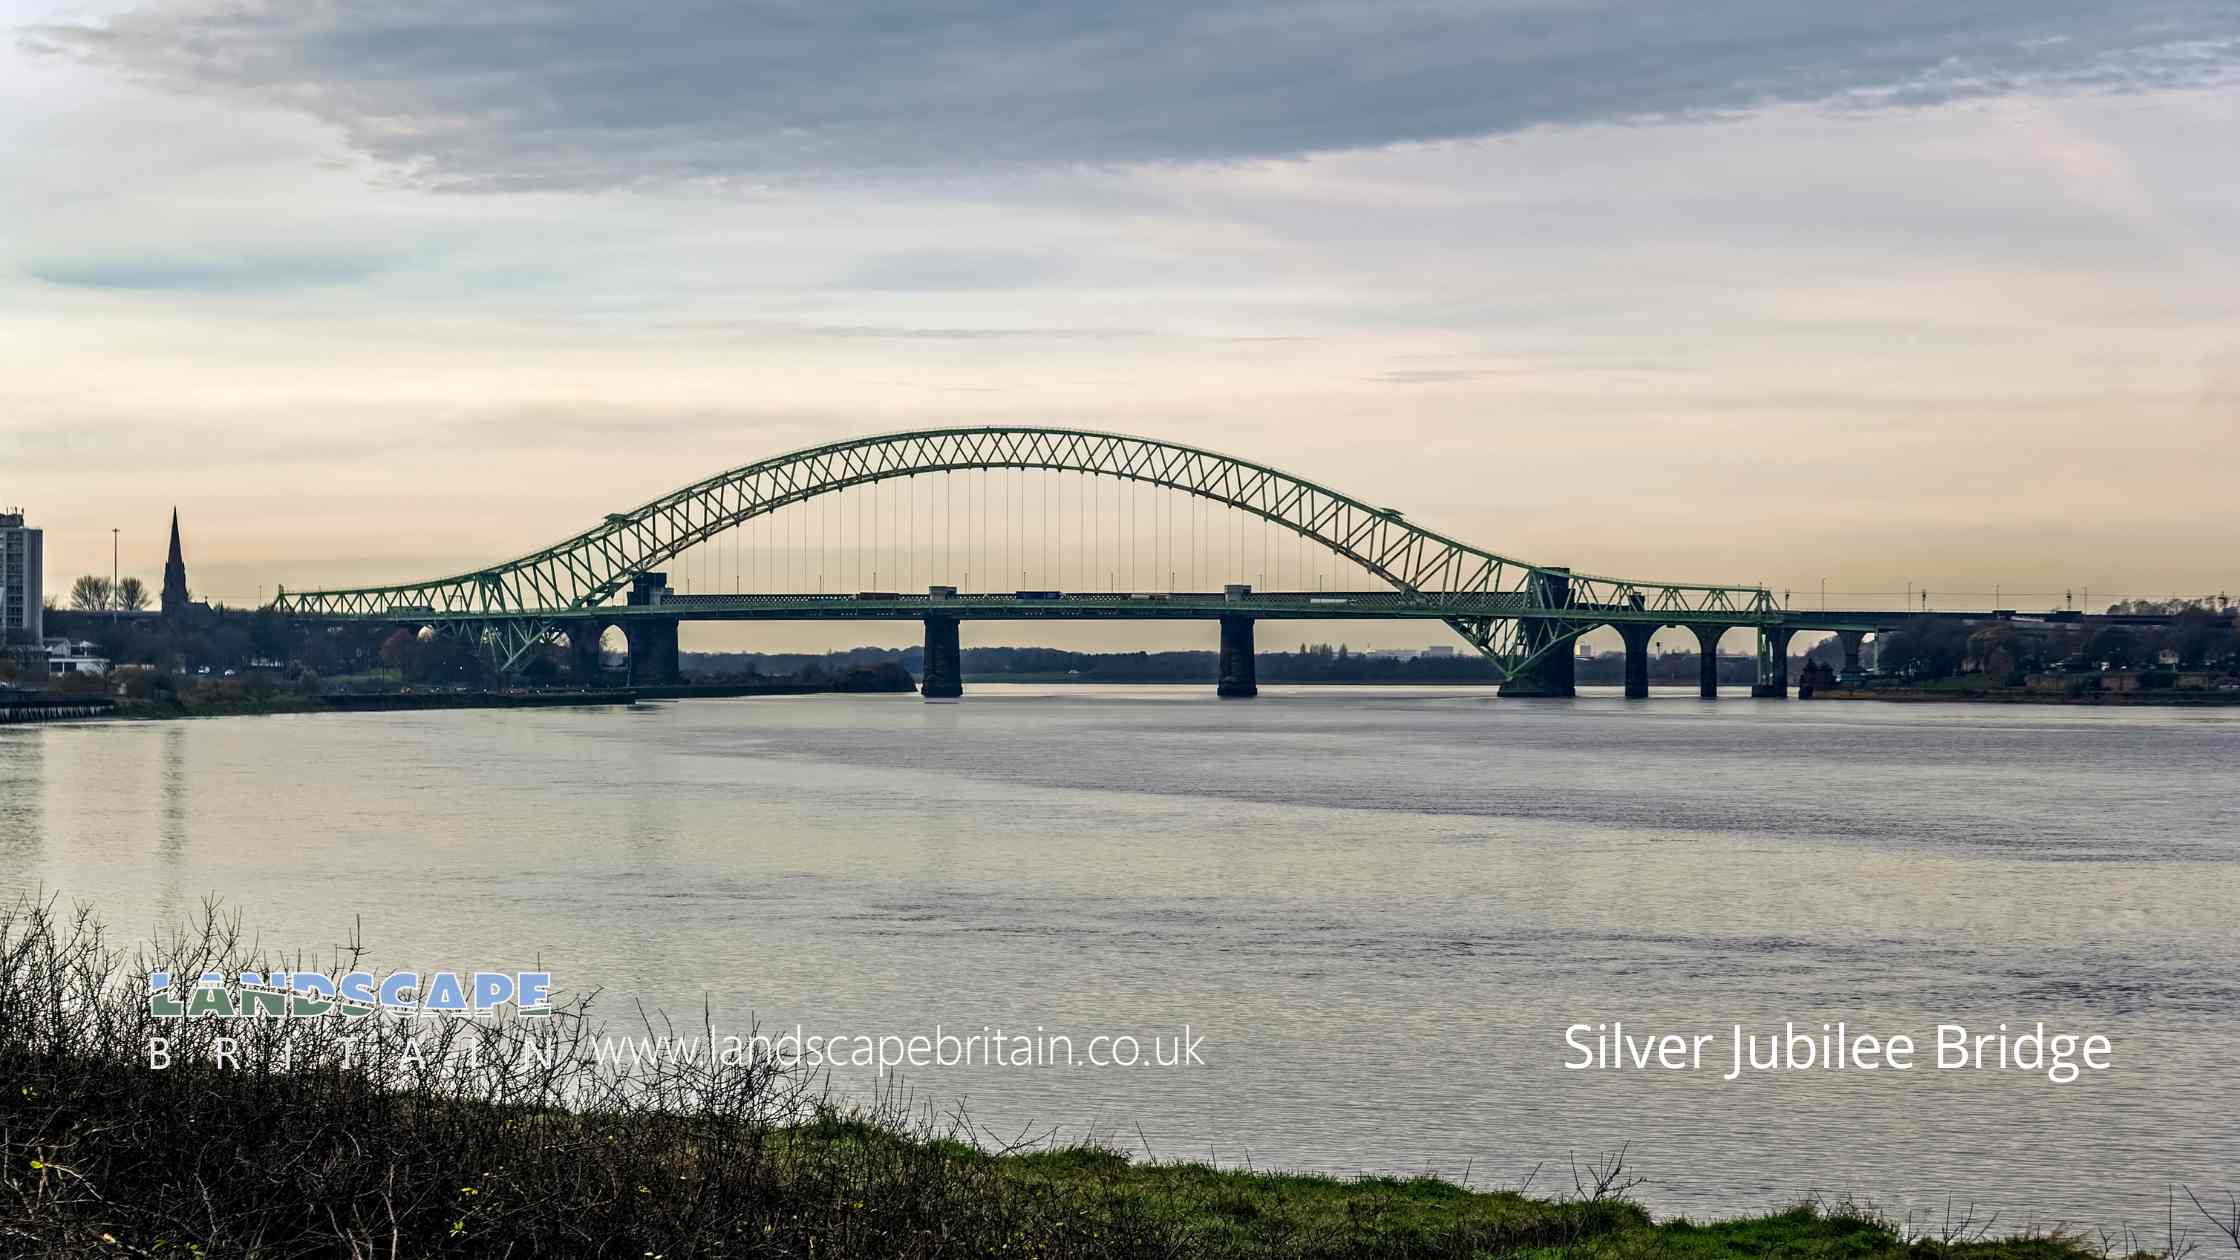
2111,646
90,593
399,650
1926,647
131,594
270,635
2005,652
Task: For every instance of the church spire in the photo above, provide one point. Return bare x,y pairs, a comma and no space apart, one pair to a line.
175,574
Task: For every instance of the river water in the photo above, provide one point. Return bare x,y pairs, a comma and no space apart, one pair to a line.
1379,909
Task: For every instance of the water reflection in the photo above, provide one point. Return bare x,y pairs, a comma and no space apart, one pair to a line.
1381,908
23,798
171,828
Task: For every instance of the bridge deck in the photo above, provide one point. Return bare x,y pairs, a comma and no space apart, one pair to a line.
1013,606
1161,605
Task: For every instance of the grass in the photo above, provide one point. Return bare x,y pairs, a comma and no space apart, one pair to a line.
293,1152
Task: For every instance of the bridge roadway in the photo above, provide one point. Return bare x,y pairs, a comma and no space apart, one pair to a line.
650,619
1179,605
1521,617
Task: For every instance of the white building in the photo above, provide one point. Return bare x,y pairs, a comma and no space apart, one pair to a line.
1407,654
65,656
22,591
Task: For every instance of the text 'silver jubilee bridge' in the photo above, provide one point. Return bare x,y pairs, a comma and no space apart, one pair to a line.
1029,523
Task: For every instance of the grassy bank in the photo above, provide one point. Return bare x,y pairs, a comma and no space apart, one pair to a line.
474,1147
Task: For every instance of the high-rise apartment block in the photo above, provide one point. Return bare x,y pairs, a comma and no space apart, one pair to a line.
22,593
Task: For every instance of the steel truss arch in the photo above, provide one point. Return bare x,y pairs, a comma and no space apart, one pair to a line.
524,601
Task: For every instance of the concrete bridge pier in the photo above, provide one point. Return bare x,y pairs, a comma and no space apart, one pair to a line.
1637,636
653,651
1773,663
1240,679
1557,673
583,650
1707,659
1850,639
944,666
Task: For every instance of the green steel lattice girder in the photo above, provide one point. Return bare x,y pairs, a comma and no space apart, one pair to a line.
513,606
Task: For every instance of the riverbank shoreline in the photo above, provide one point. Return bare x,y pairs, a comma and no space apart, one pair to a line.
2017,695
527,1140
849,1184
174,708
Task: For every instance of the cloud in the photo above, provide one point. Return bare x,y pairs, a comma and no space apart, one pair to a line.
511,94
945,270
880,332
158,273
1434,376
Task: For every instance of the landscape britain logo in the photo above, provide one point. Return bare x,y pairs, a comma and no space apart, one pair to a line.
351,995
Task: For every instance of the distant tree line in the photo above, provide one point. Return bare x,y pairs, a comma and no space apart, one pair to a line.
1315,663
220,639
2006,652
98,594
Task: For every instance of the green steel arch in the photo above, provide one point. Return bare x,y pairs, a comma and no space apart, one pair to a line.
524,601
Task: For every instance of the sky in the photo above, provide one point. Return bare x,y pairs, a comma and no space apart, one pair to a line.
1876,296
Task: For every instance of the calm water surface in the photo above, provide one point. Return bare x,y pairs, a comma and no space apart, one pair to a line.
1379,908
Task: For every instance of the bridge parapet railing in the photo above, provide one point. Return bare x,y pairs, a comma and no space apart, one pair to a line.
1615,601
1689,599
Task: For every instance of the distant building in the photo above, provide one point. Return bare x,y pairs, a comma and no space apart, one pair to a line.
74,656
175,575
22,589
1406,654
